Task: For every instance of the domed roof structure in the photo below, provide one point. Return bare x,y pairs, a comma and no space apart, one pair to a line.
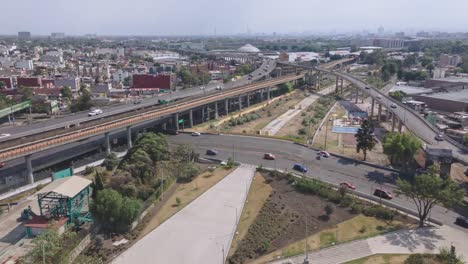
248,49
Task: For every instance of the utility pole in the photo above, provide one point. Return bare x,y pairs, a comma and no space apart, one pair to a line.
306,260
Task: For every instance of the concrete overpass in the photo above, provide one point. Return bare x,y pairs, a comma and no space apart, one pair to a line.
399,115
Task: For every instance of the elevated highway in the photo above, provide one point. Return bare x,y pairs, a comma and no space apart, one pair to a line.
30,145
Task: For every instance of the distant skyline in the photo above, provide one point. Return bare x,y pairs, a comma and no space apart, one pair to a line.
205,17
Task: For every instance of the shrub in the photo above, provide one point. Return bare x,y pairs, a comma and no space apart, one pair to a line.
329,208
346,201
302,131
356,208
415,259
380,212
89,170
178,201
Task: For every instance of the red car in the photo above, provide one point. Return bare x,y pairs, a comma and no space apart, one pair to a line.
2,164
348,185
269,156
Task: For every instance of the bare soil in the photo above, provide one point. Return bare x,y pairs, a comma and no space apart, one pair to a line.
282,220
267,114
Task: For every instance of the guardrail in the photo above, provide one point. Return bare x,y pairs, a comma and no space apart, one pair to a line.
46,143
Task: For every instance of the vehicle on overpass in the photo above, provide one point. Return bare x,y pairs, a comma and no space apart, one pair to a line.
196,134
95,112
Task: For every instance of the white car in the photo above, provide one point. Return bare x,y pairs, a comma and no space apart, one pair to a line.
95,112
196,134
379,97
393,105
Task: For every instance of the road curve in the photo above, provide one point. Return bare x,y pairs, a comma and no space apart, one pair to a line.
250,150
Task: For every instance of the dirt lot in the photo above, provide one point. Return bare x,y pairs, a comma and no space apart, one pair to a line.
266,114
345,144
282,221
259,192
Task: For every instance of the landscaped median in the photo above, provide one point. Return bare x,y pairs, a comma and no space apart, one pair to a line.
298,207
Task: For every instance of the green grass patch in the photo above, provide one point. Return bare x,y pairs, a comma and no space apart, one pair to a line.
327,239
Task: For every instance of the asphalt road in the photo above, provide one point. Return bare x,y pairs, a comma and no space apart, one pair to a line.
250,150
36,127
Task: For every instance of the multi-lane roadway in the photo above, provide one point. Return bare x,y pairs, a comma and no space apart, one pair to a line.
250,150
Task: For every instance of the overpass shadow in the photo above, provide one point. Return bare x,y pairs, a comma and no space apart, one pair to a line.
14,235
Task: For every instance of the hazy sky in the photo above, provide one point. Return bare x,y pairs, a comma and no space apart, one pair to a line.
190,17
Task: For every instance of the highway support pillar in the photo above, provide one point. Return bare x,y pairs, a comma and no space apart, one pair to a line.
268,95
341,85
240,102
248,100
372,108
216,110
107,142
176,121
226,106
387,115
191,117
164,126
357,96
379,113
129,137
29,169
393,122
203,114
400,125
336,85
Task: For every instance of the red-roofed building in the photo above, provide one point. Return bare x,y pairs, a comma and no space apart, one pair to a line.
29,82
161,81
39,224
48,83
7,82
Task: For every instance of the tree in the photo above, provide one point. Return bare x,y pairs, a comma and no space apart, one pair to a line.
429,189
46,246
66,92
83,102
114,212
27,93
110,162
2,84
84,259
364,137
286,87
410,60
97,184
401,148
185,153
329,209
397,95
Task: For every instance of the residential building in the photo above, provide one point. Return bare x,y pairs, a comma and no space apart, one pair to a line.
52,59
438,73
101,90
72,82
446,60
34,82
7,82
389,43
119,76
57,35
24,35
160,81
24,64
48,83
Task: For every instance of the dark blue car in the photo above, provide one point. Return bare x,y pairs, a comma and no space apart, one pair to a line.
299,167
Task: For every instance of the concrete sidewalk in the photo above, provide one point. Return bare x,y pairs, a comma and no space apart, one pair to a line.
274,126
422,240
202,231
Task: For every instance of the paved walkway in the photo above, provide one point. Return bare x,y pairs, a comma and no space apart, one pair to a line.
274,126
424,240
202,231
